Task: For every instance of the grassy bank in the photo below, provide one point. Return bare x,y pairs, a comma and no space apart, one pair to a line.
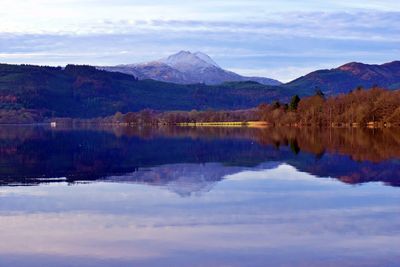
254,124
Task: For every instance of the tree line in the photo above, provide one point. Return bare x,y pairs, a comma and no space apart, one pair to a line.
359,107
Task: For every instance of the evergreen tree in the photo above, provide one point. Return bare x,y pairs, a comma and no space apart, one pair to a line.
294,103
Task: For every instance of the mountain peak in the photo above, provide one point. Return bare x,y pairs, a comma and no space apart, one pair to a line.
372,72
183,52
185,59
355,68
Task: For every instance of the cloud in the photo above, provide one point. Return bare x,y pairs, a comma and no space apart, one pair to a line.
253,36
380,26
285,74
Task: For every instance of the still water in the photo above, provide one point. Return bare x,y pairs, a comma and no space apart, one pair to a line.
199,197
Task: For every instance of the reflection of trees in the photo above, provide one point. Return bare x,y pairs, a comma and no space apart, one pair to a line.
351,155
361,144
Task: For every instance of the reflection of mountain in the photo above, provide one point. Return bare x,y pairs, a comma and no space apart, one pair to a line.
191,160
185,179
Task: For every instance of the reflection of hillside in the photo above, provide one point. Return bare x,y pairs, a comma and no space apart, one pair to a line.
351,155
90,154
373,152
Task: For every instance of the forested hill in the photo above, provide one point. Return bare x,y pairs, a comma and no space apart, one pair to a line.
84,92
347,77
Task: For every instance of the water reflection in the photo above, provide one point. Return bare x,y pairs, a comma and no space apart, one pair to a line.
198,197
273,217
32,155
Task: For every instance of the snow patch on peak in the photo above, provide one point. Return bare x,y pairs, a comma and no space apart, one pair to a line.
206,58
186,59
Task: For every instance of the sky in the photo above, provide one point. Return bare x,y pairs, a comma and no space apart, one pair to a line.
277,39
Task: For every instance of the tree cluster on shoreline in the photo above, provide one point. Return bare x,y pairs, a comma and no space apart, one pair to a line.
151,117
359,107
375,106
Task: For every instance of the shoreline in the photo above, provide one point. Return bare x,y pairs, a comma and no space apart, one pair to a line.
234,124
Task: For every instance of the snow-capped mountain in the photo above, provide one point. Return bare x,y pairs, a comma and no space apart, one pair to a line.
186,68
185,61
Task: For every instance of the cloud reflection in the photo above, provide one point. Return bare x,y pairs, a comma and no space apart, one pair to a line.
252,216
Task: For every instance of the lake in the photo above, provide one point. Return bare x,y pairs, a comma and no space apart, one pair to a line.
115,196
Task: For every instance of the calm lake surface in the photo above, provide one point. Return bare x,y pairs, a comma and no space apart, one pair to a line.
199,197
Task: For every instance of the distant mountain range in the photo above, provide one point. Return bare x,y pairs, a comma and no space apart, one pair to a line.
86,92
186,68
193,68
